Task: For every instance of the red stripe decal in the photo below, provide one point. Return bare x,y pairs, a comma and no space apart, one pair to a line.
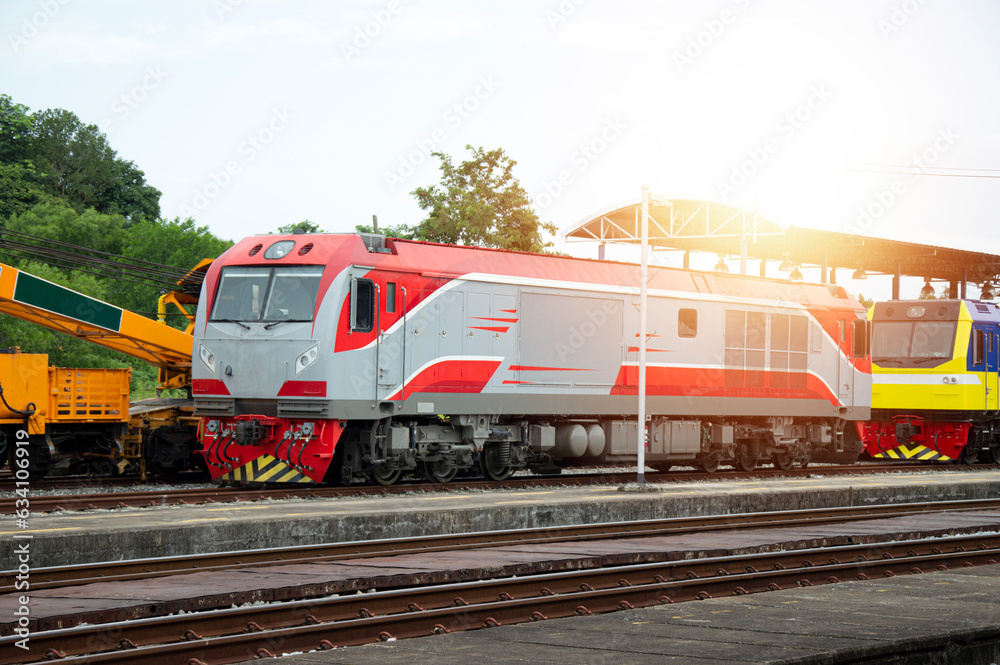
635,349
509,311
303,389
520,383
712,382
532,368
208,387
452,376
490,318
490,329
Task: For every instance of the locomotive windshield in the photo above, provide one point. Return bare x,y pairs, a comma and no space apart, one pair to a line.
913,341
250,294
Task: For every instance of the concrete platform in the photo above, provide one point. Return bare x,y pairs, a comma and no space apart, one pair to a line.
948,617
941,618
105,535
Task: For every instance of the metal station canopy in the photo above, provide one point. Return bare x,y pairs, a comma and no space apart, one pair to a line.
707,226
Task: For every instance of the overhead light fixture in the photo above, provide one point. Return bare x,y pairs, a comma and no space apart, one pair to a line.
859,274
988,293
928,290
721,265
796,275
786,265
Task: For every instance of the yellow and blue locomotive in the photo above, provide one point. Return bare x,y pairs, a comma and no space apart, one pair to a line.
936,381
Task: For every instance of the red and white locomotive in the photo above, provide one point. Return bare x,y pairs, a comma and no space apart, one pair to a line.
332,357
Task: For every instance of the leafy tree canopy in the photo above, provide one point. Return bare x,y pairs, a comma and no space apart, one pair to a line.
480,202
76,162
400,231
305,226
53,154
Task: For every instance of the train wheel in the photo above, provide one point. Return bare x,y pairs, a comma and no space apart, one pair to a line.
968,455
439,472
783,461
745,460
491,466
991,455
709,464
385,476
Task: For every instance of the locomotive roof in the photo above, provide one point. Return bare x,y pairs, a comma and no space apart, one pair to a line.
458,261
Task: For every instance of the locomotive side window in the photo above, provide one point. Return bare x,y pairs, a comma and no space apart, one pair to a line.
362,305
735,356
978,347
746,335
789,351
390,297
687,323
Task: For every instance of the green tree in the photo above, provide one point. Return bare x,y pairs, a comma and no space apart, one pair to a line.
15,131
19,189
56,220
399,231
480,202
76,163
305,226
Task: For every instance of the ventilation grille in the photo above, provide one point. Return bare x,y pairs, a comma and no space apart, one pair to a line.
213,407
256,248
305,249
301,409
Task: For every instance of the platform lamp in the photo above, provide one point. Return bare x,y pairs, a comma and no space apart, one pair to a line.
859,273
987,293
927,291
721,265
786,265
795,275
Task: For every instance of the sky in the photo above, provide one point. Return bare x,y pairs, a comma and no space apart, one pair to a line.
875,117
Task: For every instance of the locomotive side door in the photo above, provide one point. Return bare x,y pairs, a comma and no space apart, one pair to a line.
992,370
389,345
845,364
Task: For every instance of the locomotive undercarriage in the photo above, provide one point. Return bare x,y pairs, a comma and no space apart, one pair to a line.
963,437
443,448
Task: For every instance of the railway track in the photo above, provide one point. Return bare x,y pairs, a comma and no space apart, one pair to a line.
215,494
119,571
243,633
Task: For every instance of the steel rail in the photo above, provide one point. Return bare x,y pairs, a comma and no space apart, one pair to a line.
115,571
240,633
216,494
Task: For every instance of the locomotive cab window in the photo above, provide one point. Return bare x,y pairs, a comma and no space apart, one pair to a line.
687,323
362,305
257,294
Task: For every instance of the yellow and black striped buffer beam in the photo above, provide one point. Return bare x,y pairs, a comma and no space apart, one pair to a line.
920,453
266,469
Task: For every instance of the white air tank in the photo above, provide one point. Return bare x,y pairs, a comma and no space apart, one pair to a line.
595,440
571,440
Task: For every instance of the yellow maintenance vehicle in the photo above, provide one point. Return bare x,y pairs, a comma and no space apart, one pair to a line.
81,421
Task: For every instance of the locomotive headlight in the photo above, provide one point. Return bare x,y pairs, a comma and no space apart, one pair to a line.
307,358
207,357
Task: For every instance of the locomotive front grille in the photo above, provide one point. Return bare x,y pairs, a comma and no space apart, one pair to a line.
213,407
302,409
